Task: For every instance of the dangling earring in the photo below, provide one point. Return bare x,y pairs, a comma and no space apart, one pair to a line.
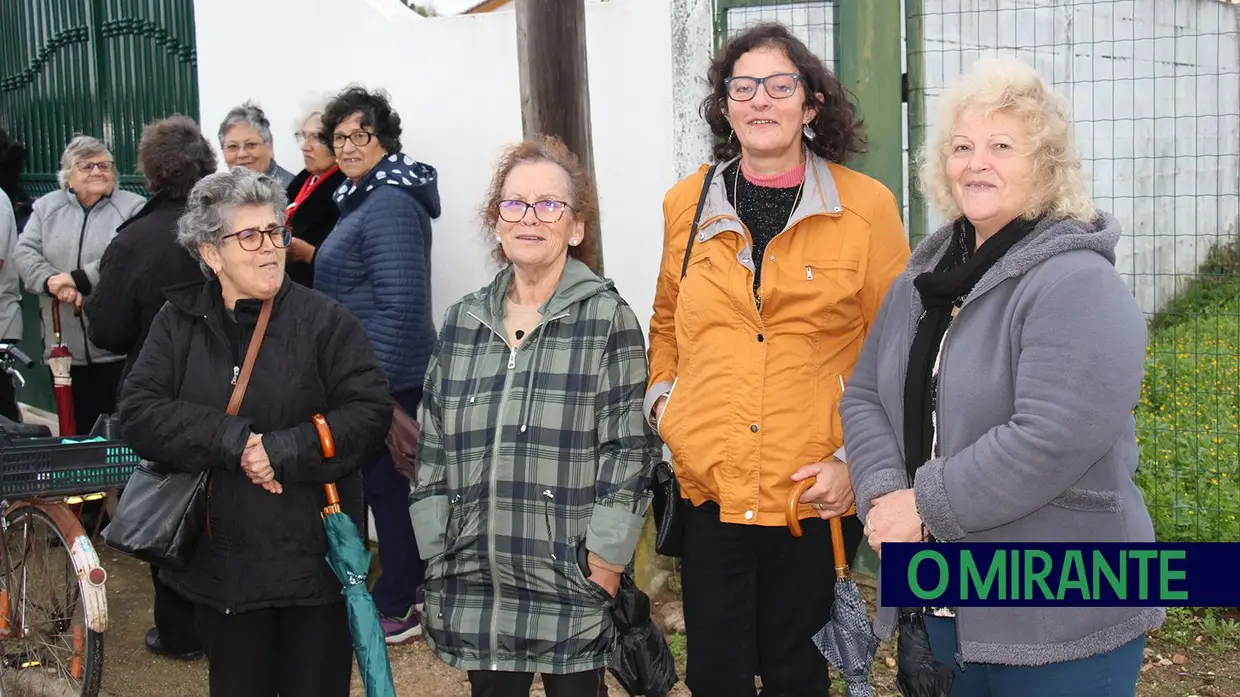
731,136
807,132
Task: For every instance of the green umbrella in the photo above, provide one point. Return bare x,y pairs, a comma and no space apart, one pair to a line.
350,561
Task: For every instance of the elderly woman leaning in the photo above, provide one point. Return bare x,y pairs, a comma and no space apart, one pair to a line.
312,212
993,401
535,456
143,260
762,305
269,609
245,138
377,263
58,257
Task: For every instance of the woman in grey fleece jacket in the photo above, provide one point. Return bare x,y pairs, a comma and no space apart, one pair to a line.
999,381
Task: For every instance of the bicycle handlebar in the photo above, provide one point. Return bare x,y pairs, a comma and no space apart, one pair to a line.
17,354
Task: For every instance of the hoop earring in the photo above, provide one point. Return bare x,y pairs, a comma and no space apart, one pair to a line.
808,132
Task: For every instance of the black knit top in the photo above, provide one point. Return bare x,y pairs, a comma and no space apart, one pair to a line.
765,211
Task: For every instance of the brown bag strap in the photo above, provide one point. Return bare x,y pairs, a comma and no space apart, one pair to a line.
251,355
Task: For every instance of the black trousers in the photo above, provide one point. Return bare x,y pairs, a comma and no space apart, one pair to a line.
492,683
174,618
754,598
290,651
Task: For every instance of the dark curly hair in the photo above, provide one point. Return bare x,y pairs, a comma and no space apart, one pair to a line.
377,115
581,191
838,132
173,155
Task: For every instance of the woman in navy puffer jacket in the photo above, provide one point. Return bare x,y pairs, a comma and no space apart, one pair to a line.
377,263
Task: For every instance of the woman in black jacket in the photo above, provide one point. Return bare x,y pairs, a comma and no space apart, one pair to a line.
270,611
142,260
312,213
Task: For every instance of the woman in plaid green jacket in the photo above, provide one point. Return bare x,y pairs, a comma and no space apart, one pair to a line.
535,458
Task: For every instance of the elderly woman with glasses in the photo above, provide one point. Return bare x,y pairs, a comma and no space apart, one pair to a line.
377,263
245,138
312,213
58,256
535,459
270,612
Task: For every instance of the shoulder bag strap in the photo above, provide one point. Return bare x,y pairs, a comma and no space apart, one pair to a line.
251,355
697,218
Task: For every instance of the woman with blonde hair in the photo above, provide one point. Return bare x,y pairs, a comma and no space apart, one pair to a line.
993,400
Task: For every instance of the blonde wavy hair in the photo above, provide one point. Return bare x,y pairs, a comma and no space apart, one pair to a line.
1012,87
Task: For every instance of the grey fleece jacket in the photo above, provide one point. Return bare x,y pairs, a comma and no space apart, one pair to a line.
1038,377
63,237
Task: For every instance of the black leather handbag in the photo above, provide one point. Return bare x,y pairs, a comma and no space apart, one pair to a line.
162,513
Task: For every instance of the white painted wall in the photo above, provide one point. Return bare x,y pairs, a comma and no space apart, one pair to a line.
454,82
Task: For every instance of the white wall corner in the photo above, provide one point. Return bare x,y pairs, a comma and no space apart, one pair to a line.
693,42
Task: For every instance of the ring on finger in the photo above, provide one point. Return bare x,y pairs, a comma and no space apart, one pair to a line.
869,525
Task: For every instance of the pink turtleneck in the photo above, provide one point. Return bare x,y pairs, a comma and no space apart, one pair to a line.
779,180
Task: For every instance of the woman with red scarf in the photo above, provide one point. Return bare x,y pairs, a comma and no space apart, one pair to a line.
311,211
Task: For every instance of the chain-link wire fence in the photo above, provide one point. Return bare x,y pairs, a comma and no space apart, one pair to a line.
814,22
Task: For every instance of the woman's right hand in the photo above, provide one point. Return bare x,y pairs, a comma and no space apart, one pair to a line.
257,466
659,405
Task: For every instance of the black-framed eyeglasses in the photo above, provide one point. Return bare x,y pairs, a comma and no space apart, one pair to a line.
359,138
547,210
742,88
251,239
88,167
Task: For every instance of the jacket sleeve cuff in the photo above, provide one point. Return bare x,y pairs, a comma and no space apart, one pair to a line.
613,534
652,395
283,450
81,280
233,437
878,484
935,510
429,525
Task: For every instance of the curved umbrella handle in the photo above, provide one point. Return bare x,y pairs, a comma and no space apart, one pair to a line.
328,445
837,528
794,504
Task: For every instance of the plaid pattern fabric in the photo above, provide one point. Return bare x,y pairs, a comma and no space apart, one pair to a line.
528,458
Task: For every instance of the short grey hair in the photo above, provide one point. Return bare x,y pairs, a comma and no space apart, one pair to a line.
80,148
248,114
215,199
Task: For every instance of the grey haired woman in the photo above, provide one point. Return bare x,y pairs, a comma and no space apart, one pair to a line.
58,257
245,138
269,609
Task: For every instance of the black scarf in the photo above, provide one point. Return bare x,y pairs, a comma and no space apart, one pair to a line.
955,276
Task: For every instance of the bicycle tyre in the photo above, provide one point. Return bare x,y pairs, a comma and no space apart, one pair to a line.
92,653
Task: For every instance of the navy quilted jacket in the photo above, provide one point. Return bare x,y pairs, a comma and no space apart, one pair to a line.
377,263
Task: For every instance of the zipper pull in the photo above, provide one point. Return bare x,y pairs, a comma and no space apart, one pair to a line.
236,374
809,273
512,359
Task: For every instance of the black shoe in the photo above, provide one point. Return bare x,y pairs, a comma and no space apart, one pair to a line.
156,646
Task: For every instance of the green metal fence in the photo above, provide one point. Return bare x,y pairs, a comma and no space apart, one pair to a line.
1154,87
98,67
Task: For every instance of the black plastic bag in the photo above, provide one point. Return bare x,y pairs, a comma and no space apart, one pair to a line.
641,661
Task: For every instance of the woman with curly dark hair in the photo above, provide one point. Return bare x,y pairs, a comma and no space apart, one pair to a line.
377,263
143,259
775,260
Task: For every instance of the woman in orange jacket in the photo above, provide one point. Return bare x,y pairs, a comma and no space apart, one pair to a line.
760,312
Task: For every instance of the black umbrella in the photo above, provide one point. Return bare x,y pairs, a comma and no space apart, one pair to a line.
847,641
917,673
641,661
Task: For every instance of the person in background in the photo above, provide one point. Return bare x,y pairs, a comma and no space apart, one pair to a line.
58,257
138,265
749,353
377,263
245,138
528,514
312,213
10,302
1019,427
12,156
270,610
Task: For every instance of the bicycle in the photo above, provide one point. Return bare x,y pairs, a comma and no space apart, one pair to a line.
53,599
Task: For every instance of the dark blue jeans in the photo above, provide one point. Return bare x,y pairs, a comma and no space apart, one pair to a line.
1111,674
387,496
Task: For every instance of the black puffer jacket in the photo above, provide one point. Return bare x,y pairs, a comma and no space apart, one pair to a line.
264,550
313,220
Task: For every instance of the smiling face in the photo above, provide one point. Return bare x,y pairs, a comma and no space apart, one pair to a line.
316,156
531,242
355,160
242,273
990,167
92,177
244,147
767,127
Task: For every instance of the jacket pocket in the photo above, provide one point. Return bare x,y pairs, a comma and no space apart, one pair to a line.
567,556
1089,501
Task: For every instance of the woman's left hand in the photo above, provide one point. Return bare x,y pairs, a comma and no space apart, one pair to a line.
257,465
893,518
607,580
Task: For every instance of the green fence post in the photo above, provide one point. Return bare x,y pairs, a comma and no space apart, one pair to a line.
918,214
867,59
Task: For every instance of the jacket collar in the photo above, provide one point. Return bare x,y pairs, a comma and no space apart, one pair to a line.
205,298
156,203
577,283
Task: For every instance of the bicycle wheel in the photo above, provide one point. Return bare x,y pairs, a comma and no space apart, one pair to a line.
43,630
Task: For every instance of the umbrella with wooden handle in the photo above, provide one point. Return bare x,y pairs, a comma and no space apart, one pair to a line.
847,640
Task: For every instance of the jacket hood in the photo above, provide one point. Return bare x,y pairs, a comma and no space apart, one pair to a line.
1050,237
577,283
204,298
419,179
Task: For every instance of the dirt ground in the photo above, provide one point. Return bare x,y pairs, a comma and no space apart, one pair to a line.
1185,660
